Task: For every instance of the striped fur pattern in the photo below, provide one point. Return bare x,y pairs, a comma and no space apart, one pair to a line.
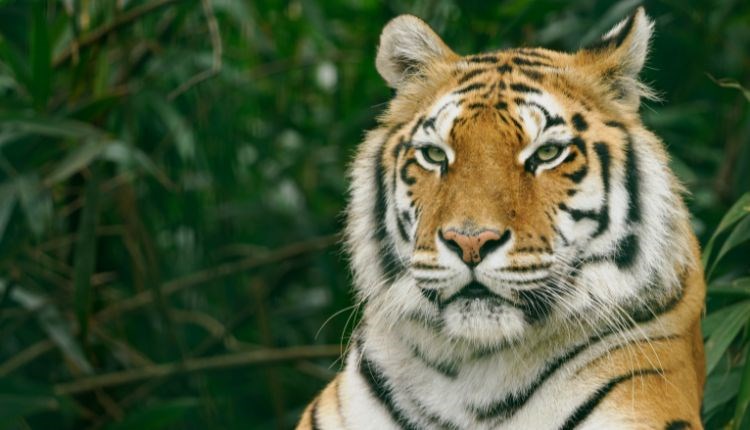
520,246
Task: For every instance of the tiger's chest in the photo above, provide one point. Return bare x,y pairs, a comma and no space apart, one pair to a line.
553,406
393,386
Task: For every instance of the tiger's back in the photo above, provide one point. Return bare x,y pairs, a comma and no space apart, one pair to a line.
520,245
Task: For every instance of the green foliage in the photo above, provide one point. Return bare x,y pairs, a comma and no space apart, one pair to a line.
172,175
725,328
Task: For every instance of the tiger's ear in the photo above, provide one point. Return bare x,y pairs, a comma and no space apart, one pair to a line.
619,56
407,47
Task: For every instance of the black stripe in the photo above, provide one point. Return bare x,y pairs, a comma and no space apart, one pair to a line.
579,214
389,263
431,295
501,105
427,266
396,154
602,151
406,216
490,91
580,144
399,147
471,74
627,251
560,234
447,369
529,268
483,59
512,403
584,410
532,74
579,123
523,88
426,321
505,68
537,302
516,123
429,123
404,172
572,156
579,174
531,52
632,182
625,254
632,175
476,106
470,87
655,305
525,62
402,229
416,126
549,120
678,425
378,384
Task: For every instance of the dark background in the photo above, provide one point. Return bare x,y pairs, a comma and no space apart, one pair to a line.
173,173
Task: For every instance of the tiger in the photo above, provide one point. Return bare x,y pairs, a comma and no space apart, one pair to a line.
520,247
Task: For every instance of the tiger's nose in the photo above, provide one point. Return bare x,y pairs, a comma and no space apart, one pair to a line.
472,248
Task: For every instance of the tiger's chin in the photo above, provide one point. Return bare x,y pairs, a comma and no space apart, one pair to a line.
484,322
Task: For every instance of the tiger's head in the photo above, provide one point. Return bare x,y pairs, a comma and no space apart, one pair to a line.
514,191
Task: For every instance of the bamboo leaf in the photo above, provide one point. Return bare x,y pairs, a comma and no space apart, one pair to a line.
130,156
14,59
740,209
743,398
36,203
720,389
15,127
739,235
180,130
7,203
741,289
52,322
76,160
85,254
721,328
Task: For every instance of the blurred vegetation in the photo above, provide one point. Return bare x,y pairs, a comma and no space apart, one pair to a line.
172,176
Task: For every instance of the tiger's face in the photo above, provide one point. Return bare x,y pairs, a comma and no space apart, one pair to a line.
506,189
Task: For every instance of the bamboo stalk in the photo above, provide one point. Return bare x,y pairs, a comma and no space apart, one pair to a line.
247,358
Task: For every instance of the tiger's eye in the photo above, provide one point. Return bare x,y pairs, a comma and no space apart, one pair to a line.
548,152
434,155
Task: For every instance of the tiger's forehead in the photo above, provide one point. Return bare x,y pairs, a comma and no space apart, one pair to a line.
514,103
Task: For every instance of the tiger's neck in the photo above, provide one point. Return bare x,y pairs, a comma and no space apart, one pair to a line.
432,381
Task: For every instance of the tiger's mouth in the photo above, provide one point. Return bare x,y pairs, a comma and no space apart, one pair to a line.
475,290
